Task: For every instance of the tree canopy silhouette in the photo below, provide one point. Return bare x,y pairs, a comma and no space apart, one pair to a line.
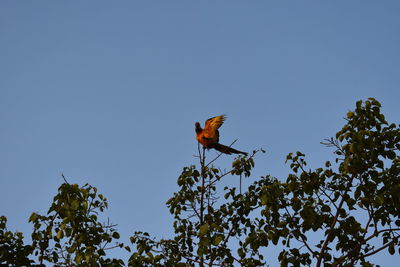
336,215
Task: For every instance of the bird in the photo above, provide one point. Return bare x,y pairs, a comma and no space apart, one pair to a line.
209,136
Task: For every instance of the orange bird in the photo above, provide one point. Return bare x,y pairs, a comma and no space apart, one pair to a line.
209,136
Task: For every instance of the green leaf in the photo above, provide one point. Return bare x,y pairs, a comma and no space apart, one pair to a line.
204,229
115,235
217,239
60,234
350,115
391,249
241,253
78,259
75,204
33,217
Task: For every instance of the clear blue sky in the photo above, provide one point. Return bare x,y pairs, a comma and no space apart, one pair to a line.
107,92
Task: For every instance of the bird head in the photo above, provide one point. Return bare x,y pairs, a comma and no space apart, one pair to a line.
197,127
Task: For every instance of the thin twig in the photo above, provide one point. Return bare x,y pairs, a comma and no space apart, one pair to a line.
220,154
65,180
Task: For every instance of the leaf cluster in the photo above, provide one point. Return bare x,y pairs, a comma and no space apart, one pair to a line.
339,214
206,223
13,251
68,235
349,207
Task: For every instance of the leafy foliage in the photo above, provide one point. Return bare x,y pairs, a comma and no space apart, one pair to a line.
335,215
349,207
12,249
72,226
69,234
204,226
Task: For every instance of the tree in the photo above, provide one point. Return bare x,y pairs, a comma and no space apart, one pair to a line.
204,226
335,215
13,251
348,204
68,235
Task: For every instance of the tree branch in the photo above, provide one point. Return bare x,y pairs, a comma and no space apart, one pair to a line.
326,241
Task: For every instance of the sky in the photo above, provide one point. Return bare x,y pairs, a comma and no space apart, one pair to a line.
107,92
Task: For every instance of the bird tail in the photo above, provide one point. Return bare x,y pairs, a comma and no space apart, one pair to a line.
228,150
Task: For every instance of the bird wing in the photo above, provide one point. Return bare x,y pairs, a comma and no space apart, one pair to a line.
211,127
